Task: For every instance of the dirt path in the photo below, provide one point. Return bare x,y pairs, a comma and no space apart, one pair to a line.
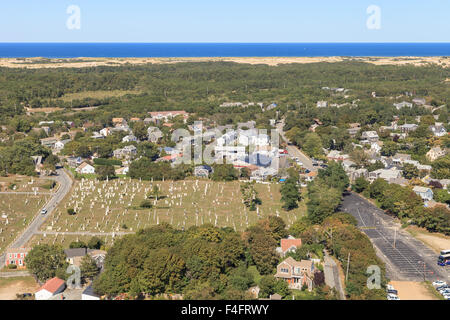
9,289
409,290
436,241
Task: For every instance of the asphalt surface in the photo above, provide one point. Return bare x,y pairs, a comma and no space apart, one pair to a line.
294,151
406,258
331,273
65,184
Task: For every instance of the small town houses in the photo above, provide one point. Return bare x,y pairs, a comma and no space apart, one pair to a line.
85,168
435,153
425,193
50,289
16,256
296,273
288,245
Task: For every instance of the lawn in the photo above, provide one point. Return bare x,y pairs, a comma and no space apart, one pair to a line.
100,94
16,212
113,206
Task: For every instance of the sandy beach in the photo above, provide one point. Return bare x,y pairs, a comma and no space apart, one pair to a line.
37,63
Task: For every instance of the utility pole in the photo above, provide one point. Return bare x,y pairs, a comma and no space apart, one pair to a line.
395,236
348,265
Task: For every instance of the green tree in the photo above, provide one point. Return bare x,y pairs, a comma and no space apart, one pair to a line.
313,145
88,268
410,171
290,194
105,172
95,243
45,261
360,184
441,168
389,148
323,201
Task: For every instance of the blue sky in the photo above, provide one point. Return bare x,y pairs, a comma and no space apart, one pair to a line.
225,21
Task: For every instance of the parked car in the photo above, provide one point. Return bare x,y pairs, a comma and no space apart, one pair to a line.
439,283
390,287
393,291
391,296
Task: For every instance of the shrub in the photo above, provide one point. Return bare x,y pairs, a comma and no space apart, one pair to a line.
71,211
146,204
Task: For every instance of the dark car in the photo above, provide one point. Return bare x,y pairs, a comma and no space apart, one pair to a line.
393,292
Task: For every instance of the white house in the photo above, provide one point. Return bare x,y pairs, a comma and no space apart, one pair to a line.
403,105
50,288
253,137
322,104
89,294
231,153
370,136
85,168
59,145
438,129
425,193
129,138
105,132
227,138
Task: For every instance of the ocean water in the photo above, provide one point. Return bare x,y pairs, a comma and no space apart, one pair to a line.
73,50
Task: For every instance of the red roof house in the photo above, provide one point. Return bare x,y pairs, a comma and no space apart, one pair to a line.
50,288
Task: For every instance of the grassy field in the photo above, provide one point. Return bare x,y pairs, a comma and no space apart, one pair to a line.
17,210
23,184
115,205
65,240
100,94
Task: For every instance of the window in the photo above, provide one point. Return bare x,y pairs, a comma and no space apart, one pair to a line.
20,262
284,270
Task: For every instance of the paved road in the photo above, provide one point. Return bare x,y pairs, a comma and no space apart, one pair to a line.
332,279
294,151
65,183
406,258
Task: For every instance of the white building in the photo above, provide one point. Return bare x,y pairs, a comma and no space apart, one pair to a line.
51,288
425,193
105,132
129,138
230,153
227,138
403,105
89,294
85,168
322,104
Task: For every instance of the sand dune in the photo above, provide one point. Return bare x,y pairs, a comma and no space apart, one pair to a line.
36,63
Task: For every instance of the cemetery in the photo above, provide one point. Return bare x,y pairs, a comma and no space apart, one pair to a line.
124,205
19,203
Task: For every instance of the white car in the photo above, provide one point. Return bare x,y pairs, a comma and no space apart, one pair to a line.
439,283
391,296
445,291
44,211
390,287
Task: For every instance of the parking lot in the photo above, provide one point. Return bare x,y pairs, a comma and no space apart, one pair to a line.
406,258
